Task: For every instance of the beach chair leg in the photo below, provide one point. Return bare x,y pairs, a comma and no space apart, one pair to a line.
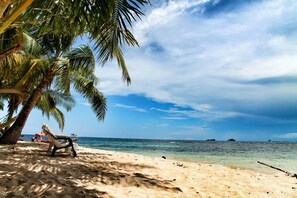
54,151
73,152
50,147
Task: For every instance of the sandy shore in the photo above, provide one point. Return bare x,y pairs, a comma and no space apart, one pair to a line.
26,170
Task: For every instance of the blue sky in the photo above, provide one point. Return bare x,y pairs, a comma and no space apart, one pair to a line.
204,69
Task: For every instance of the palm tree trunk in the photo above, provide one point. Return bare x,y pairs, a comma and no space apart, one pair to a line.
11,136
11,110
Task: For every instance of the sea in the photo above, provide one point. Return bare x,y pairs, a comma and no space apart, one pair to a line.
234,154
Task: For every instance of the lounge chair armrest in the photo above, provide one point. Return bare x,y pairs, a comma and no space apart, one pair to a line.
62,138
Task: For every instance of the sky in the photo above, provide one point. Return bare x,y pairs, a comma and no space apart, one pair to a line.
204,69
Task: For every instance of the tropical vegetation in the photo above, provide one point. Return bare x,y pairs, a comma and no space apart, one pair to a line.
38,64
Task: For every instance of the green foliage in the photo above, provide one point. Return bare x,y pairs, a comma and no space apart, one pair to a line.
1,104
106,22
49,102
46,32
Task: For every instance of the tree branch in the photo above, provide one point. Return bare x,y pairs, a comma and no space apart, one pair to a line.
10,51
12,91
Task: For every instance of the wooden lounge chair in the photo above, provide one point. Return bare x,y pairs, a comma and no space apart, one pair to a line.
58,142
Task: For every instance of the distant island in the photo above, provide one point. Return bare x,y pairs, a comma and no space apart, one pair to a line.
231,140
211,140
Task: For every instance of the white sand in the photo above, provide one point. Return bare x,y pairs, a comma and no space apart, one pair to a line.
27,170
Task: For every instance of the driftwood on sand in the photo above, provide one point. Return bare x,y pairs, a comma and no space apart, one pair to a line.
288,173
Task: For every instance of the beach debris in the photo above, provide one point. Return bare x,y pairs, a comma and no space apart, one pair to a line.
163,157
287,173
180,165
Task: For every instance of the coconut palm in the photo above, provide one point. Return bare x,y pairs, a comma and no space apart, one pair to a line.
104,22
16,85
58,69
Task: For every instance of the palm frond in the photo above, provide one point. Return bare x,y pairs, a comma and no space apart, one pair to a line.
1,105
122,65
7,123
61,99
20,7
10,38
27,77
97,100
81,58
30,45
49,102
59,117
98,103
63,76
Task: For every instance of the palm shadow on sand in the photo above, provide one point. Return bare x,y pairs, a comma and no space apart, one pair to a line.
33,173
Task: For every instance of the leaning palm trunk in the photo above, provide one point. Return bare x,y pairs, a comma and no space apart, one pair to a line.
11,136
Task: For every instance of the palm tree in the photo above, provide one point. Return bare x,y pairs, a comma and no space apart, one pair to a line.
16,85
105,22
59,68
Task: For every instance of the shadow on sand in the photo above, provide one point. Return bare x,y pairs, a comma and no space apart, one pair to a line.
31,172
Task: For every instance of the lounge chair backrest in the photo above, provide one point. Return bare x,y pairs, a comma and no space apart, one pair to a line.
47,131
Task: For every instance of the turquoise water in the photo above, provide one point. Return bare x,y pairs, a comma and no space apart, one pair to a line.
232,154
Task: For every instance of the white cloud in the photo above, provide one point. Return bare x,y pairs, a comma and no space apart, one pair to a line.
174,118
86,104
132,108
287,136
198,54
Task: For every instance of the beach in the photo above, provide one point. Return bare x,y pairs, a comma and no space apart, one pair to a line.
27,170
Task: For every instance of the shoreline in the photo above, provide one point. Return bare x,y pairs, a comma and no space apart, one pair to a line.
27,170
255,167
181,160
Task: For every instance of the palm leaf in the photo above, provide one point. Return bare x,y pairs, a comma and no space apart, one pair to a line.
1,105
49,102
97,100
81,58
30,45
14,14
7,123
59,117
61,99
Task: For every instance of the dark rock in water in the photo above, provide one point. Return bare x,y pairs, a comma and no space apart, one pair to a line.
211,140
269,140
163,157
231,140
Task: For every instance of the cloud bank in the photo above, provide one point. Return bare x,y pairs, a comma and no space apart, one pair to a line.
221,58
288,136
